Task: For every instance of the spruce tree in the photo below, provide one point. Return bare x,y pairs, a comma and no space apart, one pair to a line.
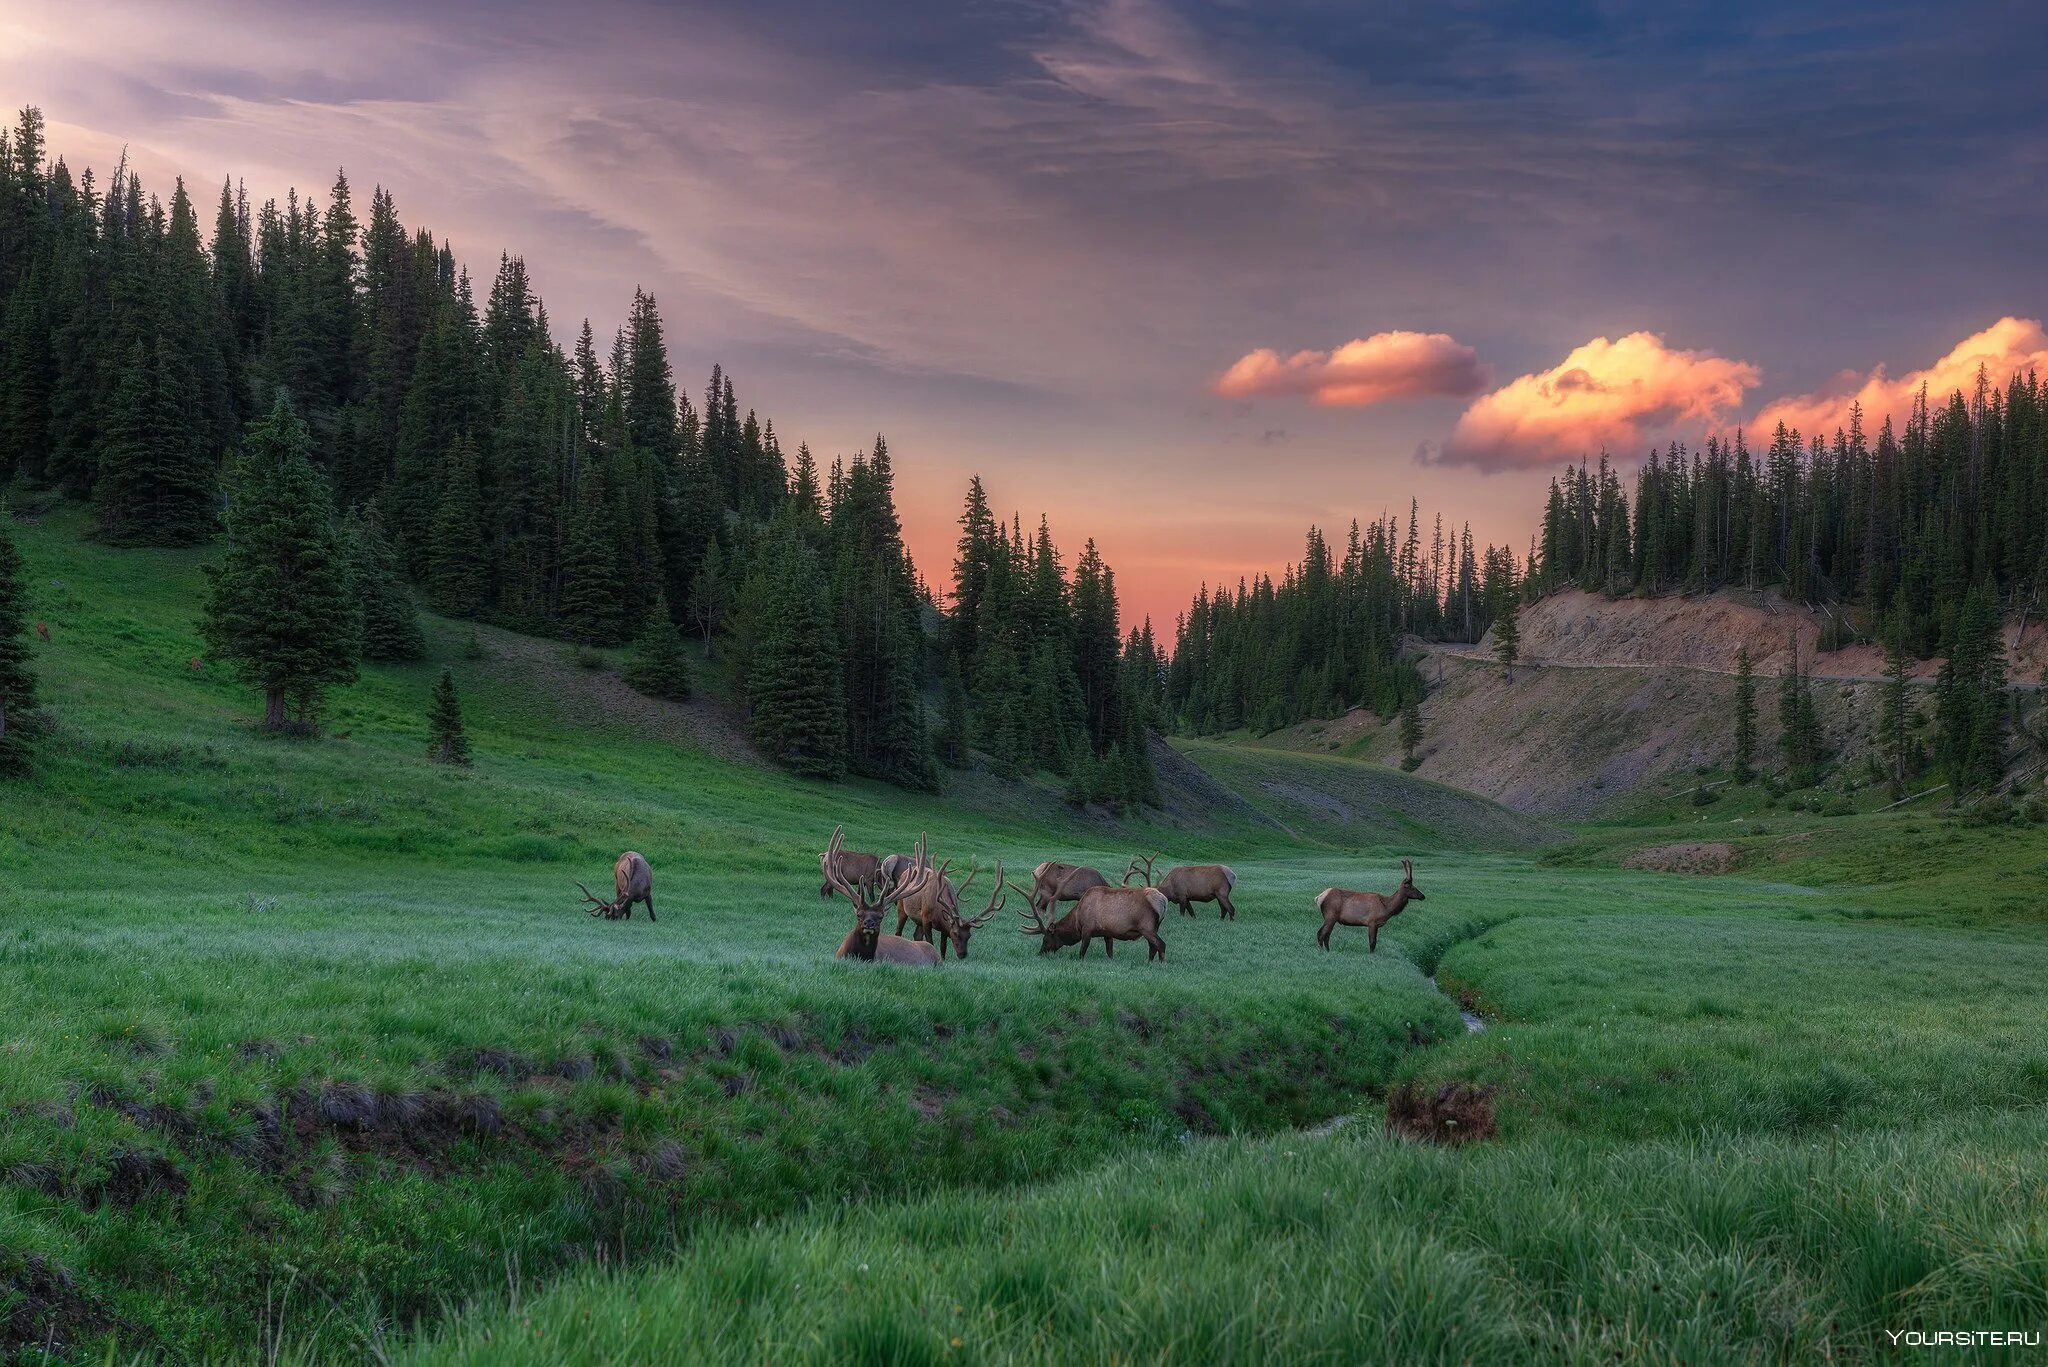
659,668
954,745
1799,740
797,708
1970,696
448,743
1745,717
391,624
1507,635
592,592
1895,722
281,604
17,676
457,572
1411,735
711,597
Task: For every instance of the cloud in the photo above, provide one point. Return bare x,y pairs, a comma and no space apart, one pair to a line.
2010,346
1618,394
1386,365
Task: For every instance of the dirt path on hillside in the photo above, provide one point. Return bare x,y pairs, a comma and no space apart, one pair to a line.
1474,655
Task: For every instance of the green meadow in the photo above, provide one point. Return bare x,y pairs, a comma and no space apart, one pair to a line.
308,1053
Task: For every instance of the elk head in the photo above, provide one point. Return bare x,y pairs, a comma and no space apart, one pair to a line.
963,927
1036,924
1139,863
1408,890
870,908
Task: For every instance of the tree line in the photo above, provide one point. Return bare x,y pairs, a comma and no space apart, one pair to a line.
175,381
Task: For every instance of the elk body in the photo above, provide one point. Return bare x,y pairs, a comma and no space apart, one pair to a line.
632,881
1372,910
1105,913
851,867
935,907
866,941
1053,883
1187,884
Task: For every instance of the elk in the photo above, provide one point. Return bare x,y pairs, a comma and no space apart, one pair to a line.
43,630
866,941
1109,913
632,881
1055,883
1372,910
936,907
863,871
1189,883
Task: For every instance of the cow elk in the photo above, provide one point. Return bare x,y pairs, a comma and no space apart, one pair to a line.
1187,884
936,906
866,941
1372,910
851,867
1107,913
632,881
1053,883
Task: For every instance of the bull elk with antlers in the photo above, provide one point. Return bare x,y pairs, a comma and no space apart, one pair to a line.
632,881
1105,913
935,907
851,867
1372,910
1053,883
866,941
1186,884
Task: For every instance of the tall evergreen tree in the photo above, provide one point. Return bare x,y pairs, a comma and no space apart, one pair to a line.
391,624
659,668
798,713
1507,635
1745,717
17,672
281,604
457,574
1895,721
448,742
1970,696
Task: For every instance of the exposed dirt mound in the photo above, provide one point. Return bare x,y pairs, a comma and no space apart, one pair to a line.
1455,1113
1699,856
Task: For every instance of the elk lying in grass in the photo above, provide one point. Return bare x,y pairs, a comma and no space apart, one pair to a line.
1187,884
1053,883
1369,909
936,907
840,865
1108,913
632,881
866,941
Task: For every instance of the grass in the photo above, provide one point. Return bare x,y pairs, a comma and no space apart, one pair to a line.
308,1051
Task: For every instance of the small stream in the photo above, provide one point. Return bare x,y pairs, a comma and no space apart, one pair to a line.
1473,1025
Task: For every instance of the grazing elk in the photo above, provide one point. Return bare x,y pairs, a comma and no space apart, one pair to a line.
1053,883
1372,910
632,881
866,941
936,907
1186,884
863,871
1109,913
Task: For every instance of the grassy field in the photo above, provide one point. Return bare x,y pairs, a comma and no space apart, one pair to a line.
308,1052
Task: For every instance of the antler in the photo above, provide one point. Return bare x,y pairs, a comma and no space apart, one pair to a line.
828,863
598,906
1407,870
1132,868
974,872
1029,913
996,899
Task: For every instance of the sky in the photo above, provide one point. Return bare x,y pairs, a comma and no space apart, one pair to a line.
1184,275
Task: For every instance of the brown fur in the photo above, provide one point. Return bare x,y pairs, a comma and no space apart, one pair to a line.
863,871
935,908
632,881
1105,913
1372,910
866,941
1187,884
1053,883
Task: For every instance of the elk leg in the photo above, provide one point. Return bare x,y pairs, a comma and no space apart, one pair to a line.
1085,942
1187,907
1323,935
1372,939
650,907
1157,948
1108,948
1225,908
901,917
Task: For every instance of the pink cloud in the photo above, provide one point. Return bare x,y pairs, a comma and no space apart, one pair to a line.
1386,365
1619,394
2010,346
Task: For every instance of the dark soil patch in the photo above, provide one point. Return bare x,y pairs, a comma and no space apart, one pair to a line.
1455,1113
1698,856
42,1311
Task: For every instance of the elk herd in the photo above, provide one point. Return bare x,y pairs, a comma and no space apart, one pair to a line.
924,895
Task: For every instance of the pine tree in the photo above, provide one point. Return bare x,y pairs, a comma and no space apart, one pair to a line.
1895,723
954,745
711,597
592,593
457,573
17,676
1799,740
448,744
1507,635
1970,700
1745,717
798,712
659,668
391,624
1411,735
281,604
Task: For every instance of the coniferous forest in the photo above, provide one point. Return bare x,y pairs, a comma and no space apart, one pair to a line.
464,457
